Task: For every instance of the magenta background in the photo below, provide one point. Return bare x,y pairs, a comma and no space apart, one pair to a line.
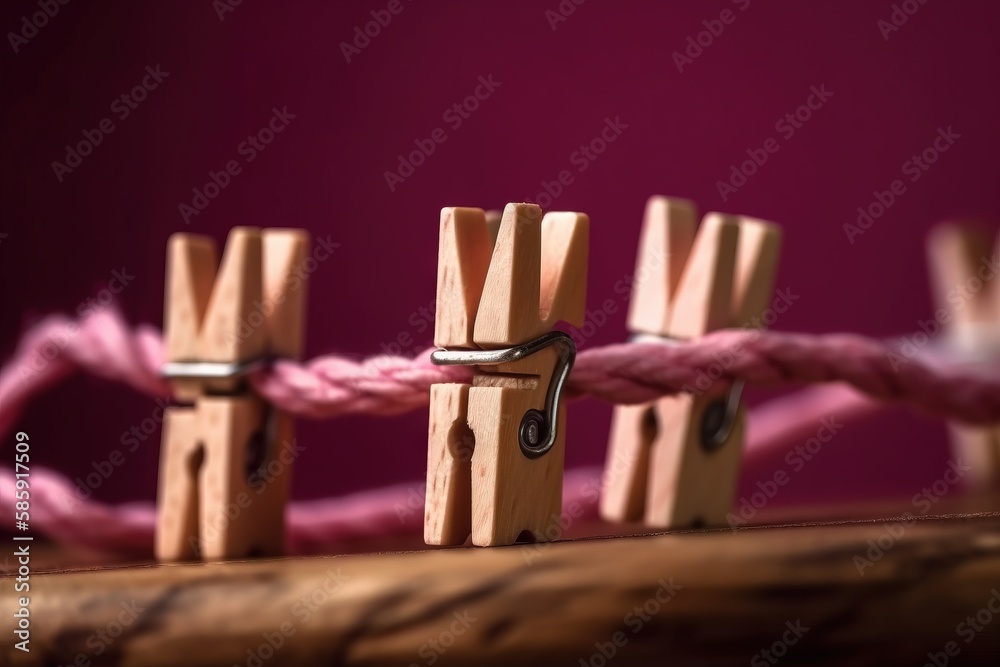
324,173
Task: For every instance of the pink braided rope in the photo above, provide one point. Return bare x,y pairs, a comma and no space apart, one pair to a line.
103,344
332,385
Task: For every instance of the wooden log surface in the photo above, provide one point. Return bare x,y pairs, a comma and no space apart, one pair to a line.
691,597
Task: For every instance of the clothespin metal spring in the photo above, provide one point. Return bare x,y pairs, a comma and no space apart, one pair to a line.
719,417
537,433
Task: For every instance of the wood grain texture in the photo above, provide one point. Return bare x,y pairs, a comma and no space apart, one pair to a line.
702,597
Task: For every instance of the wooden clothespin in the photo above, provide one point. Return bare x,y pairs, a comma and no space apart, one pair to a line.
964,268
496,446
225,463
675,462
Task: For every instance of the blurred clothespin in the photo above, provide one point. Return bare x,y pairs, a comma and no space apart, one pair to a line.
964,265
496,446
226,460
675,462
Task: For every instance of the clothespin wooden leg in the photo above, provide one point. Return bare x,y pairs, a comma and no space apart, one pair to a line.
956,255
450,443
633,430
721,277
689,480
464,251
226,460
181,459
513,494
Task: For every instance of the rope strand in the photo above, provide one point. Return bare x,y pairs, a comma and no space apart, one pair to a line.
332,385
